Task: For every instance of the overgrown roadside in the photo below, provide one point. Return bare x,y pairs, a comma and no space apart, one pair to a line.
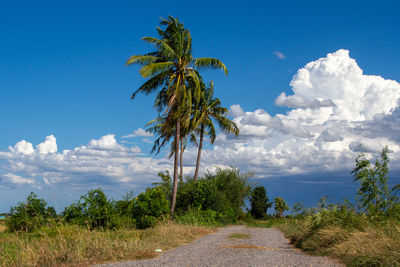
357,243
369,244
71,245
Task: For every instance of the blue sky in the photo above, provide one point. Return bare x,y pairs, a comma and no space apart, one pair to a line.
62,73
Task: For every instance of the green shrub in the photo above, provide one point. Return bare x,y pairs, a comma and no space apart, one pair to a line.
198,196
149,206
259,202
200,217
223,192
30,215
93,210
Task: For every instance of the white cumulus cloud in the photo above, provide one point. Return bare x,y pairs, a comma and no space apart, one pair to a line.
48,146
335,112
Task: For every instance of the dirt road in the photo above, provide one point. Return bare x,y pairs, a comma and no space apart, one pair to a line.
251,247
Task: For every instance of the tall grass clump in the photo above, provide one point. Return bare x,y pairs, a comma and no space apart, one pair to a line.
354,238
362,234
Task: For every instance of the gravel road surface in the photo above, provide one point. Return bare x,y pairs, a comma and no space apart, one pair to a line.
262,247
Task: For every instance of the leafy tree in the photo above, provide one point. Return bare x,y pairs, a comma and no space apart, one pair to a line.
93,209
165,184
171,68
208,110
374,194
122,206
30,215
280,206
232,188
149,206
222,193
259,202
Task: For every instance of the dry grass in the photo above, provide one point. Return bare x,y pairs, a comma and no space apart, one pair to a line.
67,245
2,227
374,245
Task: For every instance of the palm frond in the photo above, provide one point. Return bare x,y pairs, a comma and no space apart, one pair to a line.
150,70
140,59
208,62
164,49
152,84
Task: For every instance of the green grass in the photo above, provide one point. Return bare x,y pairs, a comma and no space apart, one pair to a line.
239,236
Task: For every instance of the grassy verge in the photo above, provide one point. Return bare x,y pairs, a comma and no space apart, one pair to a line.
68,245
268,223
366,244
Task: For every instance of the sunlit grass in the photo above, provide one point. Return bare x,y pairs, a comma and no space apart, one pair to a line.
72,245
370,244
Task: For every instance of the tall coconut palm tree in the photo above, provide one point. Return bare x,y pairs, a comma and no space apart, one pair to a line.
169,69
208,110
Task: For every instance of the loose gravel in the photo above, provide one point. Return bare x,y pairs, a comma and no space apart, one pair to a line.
264,247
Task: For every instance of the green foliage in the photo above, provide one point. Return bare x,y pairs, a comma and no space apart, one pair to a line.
200,217
232,190
30,215
122,206
259,202
280,206
165,184
93,210
223,192
373,193
149,207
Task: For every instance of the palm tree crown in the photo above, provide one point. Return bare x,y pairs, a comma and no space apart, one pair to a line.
209,109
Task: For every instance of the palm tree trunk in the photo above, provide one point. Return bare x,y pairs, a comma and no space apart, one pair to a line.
181,160
196,173
175,186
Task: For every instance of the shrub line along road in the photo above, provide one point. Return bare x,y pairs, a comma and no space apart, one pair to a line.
261,247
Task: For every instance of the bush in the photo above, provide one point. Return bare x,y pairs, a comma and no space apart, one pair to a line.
93,210
198,196
30,215
200,217
259,202
232,189
223,192
149,206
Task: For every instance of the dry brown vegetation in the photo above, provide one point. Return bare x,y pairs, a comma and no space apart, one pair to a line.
2,227
376,244
68,245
